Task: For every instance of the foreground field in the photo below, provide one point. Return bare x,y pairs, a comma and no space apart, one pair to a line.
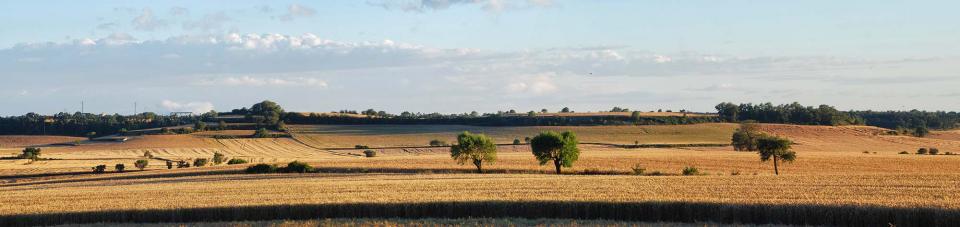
424,222
832,177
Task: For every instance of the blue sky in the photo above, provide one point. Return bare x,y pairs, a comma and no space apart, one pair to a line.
461,55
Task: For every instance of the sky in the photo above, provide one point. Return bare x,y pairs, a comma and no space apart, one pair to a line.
456,56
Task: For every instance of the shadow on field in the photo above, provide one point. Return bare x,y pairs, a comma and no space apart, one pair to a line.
636,211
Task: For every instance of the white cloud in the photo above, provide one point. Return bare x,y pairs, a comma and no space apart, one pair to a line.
263,81
209,22
532,84
194,107
297,10
487,5
146,21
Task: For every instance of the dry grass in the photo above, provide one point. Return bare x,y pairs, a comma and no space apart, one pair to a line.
420,135
831,170
900,190
27,141
351,222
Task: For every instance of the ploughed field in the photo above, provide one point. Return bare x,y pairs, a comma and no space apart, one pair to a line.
837,169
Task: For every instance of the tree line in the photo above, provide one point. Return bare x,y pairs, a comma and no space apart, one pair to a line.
795,113
81,124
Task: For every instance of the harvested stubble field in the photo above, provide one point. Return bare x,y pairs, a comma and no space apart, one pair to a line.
831,176
420,135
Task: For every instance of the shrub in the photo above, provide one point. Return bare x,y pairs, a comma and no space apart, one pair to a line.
438,143
31,153
169,165
361,147
735,173
236,161
866,152
298,167
637,169
689,171
949,153
904,152
370,153
147,154
100,169
142,164
183,164
219,158
933,151
516,141
922,151
200,162
119,167
262,168
262,133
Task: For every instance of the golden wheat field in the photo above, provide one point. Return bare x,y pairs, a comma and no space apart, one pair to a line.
832,169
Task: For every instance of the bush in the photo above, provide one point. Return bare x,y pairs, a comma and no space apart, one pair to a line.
516,141
219,158
31,153
370,153
100,169
866,152
142,164
735,173
904,152
361,147
262,168
438,143
200,162
183,164
922,151
689,171
119,167
147,154
949,153
298,167
169,165
236,161
933,151
262,133
638,170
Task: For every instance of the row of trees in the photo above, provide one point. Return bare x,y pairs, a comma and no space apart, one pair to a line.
795,113
561,149
80,124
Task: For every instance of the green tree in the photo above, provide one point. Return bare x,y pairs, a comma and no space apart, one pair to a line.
31,153
531,114
262,133
200,126
219,158
728,112
266,112
119,167
561,148
141,164
775,148
921,131
745,137
565,110
200,162
476,148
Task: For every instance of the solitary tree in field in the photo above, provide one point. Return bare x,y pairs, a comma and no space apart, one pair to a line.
268,112
476,148
565,110
561,148
219,158
775,148
141,164
31,153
